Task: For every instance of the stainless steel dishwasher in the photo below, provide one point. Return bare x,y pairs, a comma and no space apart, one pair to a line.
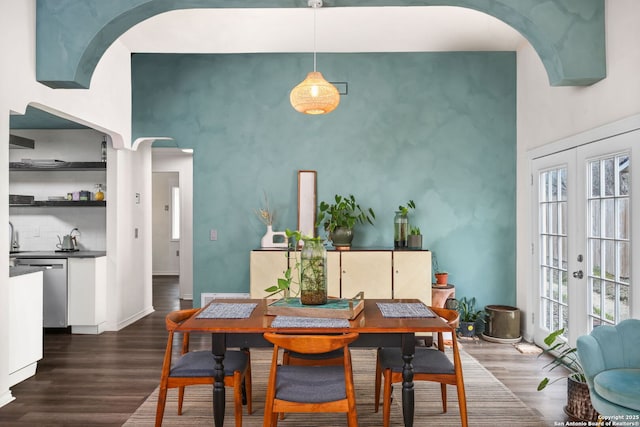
54,287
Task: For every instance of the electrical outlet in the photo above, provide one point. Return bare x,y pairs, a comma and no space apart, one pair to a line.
213,235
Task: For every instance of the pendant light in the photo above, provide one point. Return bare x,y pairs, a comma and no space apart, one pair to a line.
314,95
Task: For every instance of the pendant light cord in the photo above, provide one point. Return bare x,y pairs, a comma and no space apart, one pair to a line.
314,39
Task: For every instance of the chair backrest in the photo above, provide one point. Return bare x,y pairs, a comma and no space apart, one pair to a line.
175,318
452,317
310,344
172,321
610,347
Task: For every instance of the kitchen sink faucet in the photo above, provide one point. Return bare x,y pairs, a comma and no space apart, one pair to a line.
13,243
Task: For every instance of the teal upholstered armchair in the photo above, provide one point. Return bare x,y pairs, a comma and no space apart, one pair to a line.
610,356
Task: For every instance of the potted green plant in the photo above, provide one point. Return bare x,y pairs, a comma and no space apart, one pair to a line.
339,218
442,277
401,225
562,354
470,317
415,238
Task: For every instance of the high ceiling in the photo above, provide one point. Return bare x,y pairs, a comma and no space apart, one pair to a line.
346,29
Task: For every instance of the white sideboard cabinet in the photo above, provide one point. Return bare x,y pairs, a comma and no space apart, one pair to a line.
380,273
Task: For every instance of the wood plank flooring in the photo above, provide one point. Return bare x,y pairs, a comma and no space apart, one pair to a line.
100,380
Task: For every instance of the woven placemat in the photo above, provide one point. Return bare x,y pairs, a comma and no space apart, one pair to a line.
404,309
227,310
308,322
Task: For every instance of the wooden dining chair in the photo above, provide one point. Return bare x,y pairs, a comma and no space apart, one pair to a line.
197,367
429,364
295,388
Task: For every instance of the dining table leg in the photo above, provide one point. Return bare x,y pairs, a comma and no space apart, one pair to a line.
218,348
408,350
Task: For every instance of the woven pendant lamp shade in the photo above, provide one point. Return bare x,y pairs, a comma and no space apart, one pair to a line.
314,95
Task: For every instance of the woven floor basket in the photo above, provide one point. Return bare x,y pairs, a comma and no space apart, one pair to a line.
578,401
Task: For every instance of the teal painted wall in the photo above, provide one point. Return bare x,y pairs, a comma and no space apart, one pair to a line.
438,128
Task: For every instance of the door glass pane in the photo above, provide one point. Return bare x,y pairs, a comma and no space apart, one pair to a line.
595,257
623,173
609,247
562,221
594,218
623,218
623,258
608,218
609,177
595,179
596,297
564,298
609,302
624,303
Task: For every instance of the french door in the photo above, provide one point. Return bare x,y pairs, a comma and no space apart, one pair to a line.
584,235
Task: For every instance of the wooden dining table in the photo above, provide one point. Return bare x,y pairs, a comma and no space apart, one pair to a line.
375,331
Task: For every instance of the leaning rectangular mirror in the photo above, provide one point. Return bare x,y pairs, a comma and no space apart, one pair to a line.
307,202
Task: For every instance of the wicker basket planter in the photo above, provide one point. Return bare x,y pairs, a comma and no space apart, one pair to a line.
579,402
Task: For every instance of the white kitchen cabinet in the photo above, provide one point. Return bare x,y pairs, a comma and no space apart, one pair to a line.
379,273
25,326
87,287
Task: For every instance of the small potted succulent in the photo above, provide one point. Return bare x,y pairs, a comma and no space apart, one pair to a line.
415,238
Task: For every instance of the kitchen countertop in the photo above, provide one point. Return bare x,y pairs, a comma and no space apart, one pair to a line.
59,255
20,270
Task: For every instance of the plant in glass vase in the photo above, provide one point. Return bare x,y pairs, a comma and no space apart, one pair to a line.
311,271
401,225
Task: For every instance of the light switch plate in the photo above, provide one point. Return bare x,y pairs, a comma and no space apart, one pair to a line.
213,235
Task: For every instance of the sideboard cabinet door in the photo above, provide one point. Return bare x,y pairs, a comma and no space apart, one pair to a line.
265,268
368,271
412,275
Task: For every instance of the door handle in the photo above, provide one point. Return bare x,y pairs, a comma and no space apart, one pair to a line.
578,274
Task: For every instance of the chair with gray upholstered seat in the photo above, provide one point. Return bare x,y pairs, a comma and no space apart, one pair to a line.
294,388
429,364
197,367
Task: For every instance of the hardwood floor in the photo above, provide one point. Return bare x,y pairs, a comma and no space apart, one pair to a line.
100,380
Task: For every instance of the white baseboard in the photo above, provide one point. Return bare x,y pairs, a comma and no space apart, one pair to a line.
88,329
6,398
110,326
